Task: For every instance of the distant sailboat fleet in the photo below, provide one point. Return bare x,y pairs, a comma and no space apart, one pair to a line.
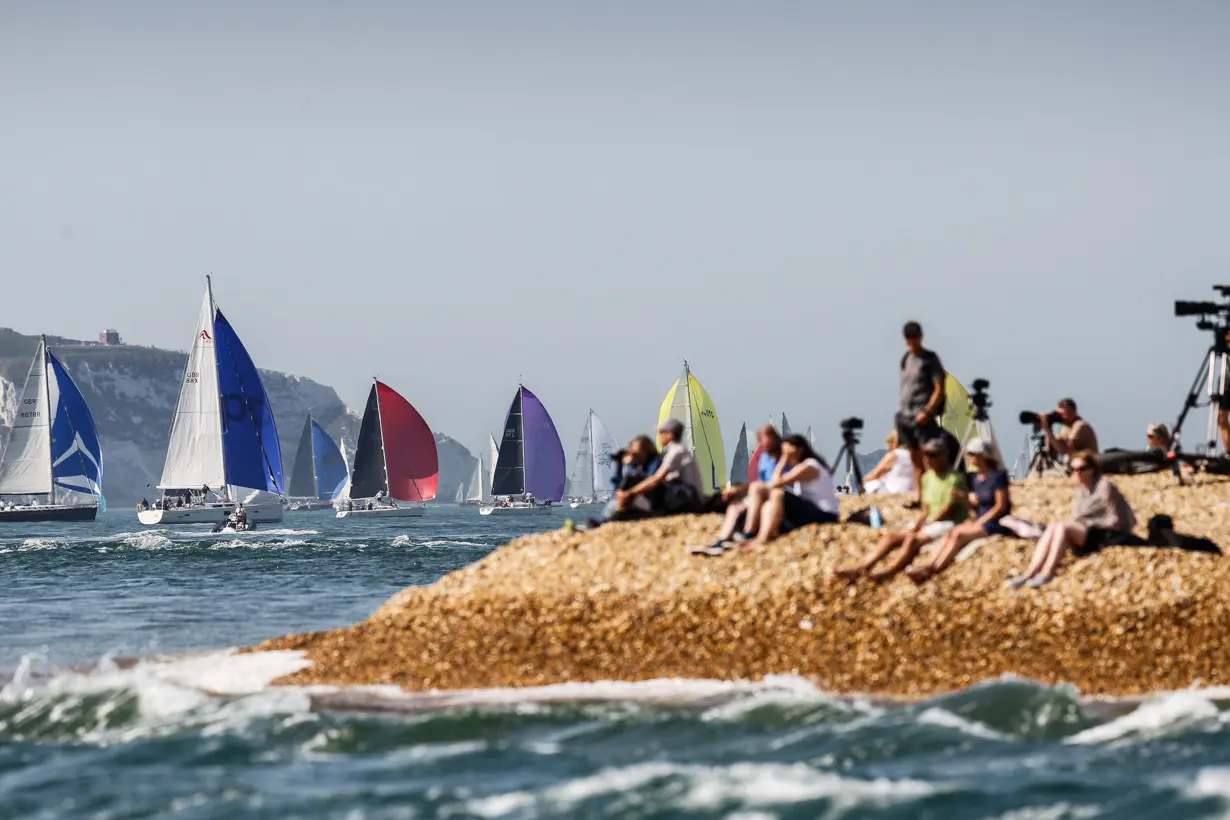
224,459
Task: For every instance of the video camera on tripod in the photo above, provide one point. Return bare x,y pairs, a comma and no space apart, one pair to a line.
1213,317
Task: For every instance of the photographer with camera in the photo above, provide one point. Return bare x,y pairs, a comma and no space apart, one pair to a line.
922,399
1075,434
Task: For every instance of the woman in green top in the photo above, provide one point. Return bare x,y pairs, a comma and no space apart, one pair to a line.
944,501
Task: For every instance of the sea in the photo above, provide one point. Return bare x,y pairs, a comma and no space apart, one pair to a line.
118,699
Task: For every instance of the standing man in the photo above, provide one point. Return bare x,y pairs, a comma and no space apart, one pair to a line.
922,398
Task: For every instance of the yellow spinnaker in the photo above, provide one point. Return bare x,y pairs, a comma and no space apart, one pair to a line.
958,417
688,402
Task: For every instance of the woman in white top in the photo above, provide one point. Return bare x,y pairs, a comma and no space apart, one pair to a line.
801,492
895,472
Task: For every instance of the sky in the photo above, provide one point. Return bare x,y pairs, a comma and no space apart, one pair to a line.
457,196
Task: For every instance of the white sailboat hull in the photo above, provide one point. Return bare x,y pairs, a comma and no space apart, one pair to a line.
384,512
262,513
516,509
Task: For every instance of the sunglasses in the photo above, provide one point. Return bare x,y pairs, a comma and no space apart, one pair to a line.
1081,468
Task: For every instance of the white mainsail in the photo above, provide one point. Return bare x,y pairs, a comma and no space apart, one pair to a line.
25,467
581,482
194,454
477,489
494,450
601,445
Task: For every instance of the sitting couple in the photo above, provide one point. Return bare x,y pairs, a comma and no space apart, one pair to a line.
649,484
946,503
799,492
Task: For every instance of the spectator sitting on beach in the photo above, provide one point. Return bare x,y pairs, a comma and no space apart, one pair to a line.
675,487
1157,437
895,472
944,506
769,445
1075,433
800,492
632,465
922,398
990,494
1101,517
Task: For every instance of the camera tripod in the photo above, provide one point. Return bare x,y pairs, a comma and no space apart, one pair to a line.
848,451
1212,376
1041,460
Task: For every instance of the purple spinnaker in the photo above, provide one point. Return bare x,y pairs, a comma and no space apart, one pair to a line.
544,452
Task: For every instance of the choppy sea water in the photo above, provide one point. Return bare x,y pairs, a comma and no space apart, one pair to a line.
118,700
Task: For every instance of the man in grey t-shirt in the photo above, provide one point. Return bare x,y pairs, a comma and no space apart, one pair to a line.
675,487
922,397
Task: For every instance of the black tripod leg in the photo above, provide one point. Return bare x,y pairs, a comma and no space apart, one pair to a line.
1193,396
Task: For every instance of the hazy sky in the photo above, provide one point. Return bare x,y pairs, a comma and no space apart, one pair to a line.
452,195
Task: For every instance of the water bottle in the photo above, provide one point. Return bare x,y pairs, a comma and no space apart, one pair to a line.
876,520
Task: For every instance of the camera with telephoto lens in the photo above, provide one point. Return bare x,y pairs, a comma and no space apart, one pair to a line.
1213,316
851,424
1031,417
618,455
980,399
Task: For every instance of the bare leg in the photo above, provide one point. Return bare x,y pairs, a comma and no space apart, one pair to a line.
1043,550
757,495
886,545
917,458
909,551
732,520
771,516
953,541
1070,535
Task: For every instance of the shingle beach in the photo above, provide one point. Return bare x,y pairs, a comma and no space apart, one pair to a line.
627,602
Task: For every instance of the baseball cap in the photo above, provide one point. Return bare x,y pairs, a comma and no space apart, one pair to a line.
977,447
672,426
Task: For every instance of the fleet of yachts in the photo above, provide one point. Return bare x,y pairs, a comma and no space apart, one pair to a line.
224,462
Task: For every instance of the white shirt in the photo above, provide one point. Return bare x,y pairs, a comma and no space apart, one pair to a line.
820,490
900,477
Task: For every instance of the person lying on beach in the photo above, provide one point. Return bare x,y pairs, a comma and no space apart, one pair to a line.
800,492
944,501
990,496
1101,517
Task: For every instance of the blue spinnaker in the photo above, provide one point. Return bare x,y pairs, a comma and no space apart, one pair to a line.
76,455
250,445
330,466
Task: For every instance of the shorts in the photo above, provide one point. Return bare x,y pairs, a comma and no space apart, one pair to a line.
912,436
1223,401
1097,539
937,529
799,512
996,528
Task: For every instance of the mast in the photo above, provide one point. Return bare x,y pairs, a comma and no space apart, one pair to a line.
687,386
312,453
213,312
524,474
51,456
384,454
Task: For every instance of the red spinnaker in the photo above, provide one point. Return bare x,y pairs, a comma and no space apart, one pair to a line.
753,466
409,448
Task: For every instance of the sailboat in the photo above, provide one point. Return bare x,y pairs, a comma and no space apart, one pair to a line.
785,428
396,460
52,450
741,464
688,403
529,475
593,470
320,470
477,491
224,440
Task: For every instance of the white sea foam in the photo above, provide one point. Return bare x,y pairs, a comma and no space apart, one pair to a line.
400,541
151,540
701,788
1056,811
1212,781
936,716
1161,715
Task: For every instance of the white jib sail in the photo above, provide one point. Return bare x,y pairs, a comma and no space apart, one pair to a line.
581,482
25,467
602,444
477,489
194,455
